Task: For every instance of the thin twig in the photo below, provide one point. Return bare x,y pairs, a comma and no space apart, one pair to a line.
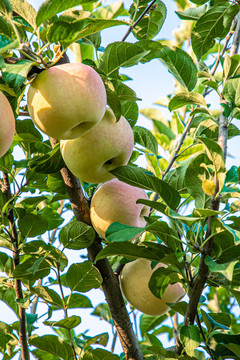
204,337
114,342
16,261
65,311
137,21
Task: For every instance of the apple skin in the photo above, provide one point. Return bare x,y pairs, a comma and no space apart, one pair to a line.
67,100
134,280
116,201
108,145
7,125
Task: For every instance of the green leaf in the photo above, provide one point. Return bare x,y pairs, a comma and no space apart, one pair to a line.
113,100
26,126
25,10
133,251
214,153
49,163
38,248
77,235
25,270
10,46
181,65
103,312
6,162
69,32
53,345
182,99
138,177
211,323
52,7
194,177
226,269
48,295
120,232
190,338
154,50
101,339
111,11
68,323
5,7
83,277
5,27
231,92
192,13
15,75
227,338
149,322
230,254
164,232
120,54
32,225
180,307
99,354
152,22
76,300
160,279
43,355
145,138
52,216
214,23
6,264
235,348
176,178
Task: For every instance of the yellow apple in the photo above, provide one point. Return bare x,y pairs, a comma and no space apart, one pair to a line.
116,201
134,280
67,100
7,124
208,187
108,145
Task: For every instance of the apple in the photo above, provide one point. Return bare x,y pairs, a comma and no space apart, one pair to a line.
116,201
108,145
7,124
67,100
134,279
208,187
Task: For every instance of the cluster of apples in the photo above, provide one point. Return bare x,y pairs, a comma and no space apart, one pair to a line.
68,102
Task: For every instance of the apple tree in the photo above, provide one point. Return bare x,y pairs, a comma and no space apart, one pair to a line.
193,227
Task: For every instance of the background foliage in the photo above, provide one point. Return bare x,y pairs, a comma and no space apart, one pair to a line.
200,232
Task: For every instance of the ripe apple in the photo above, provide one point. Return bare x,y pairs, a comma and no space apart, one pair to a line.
67,100
108,145
7,124
116,201
134,280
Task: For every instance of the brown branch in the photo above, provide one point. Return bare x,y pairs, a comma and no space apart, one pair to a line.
236,38
139,19
110,283
17,283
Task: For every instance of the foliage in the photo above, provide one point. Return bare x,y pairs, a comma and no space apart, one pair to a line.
195,234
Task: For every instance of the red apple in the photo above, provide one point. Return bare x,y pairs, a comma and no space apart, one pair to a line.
116,201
